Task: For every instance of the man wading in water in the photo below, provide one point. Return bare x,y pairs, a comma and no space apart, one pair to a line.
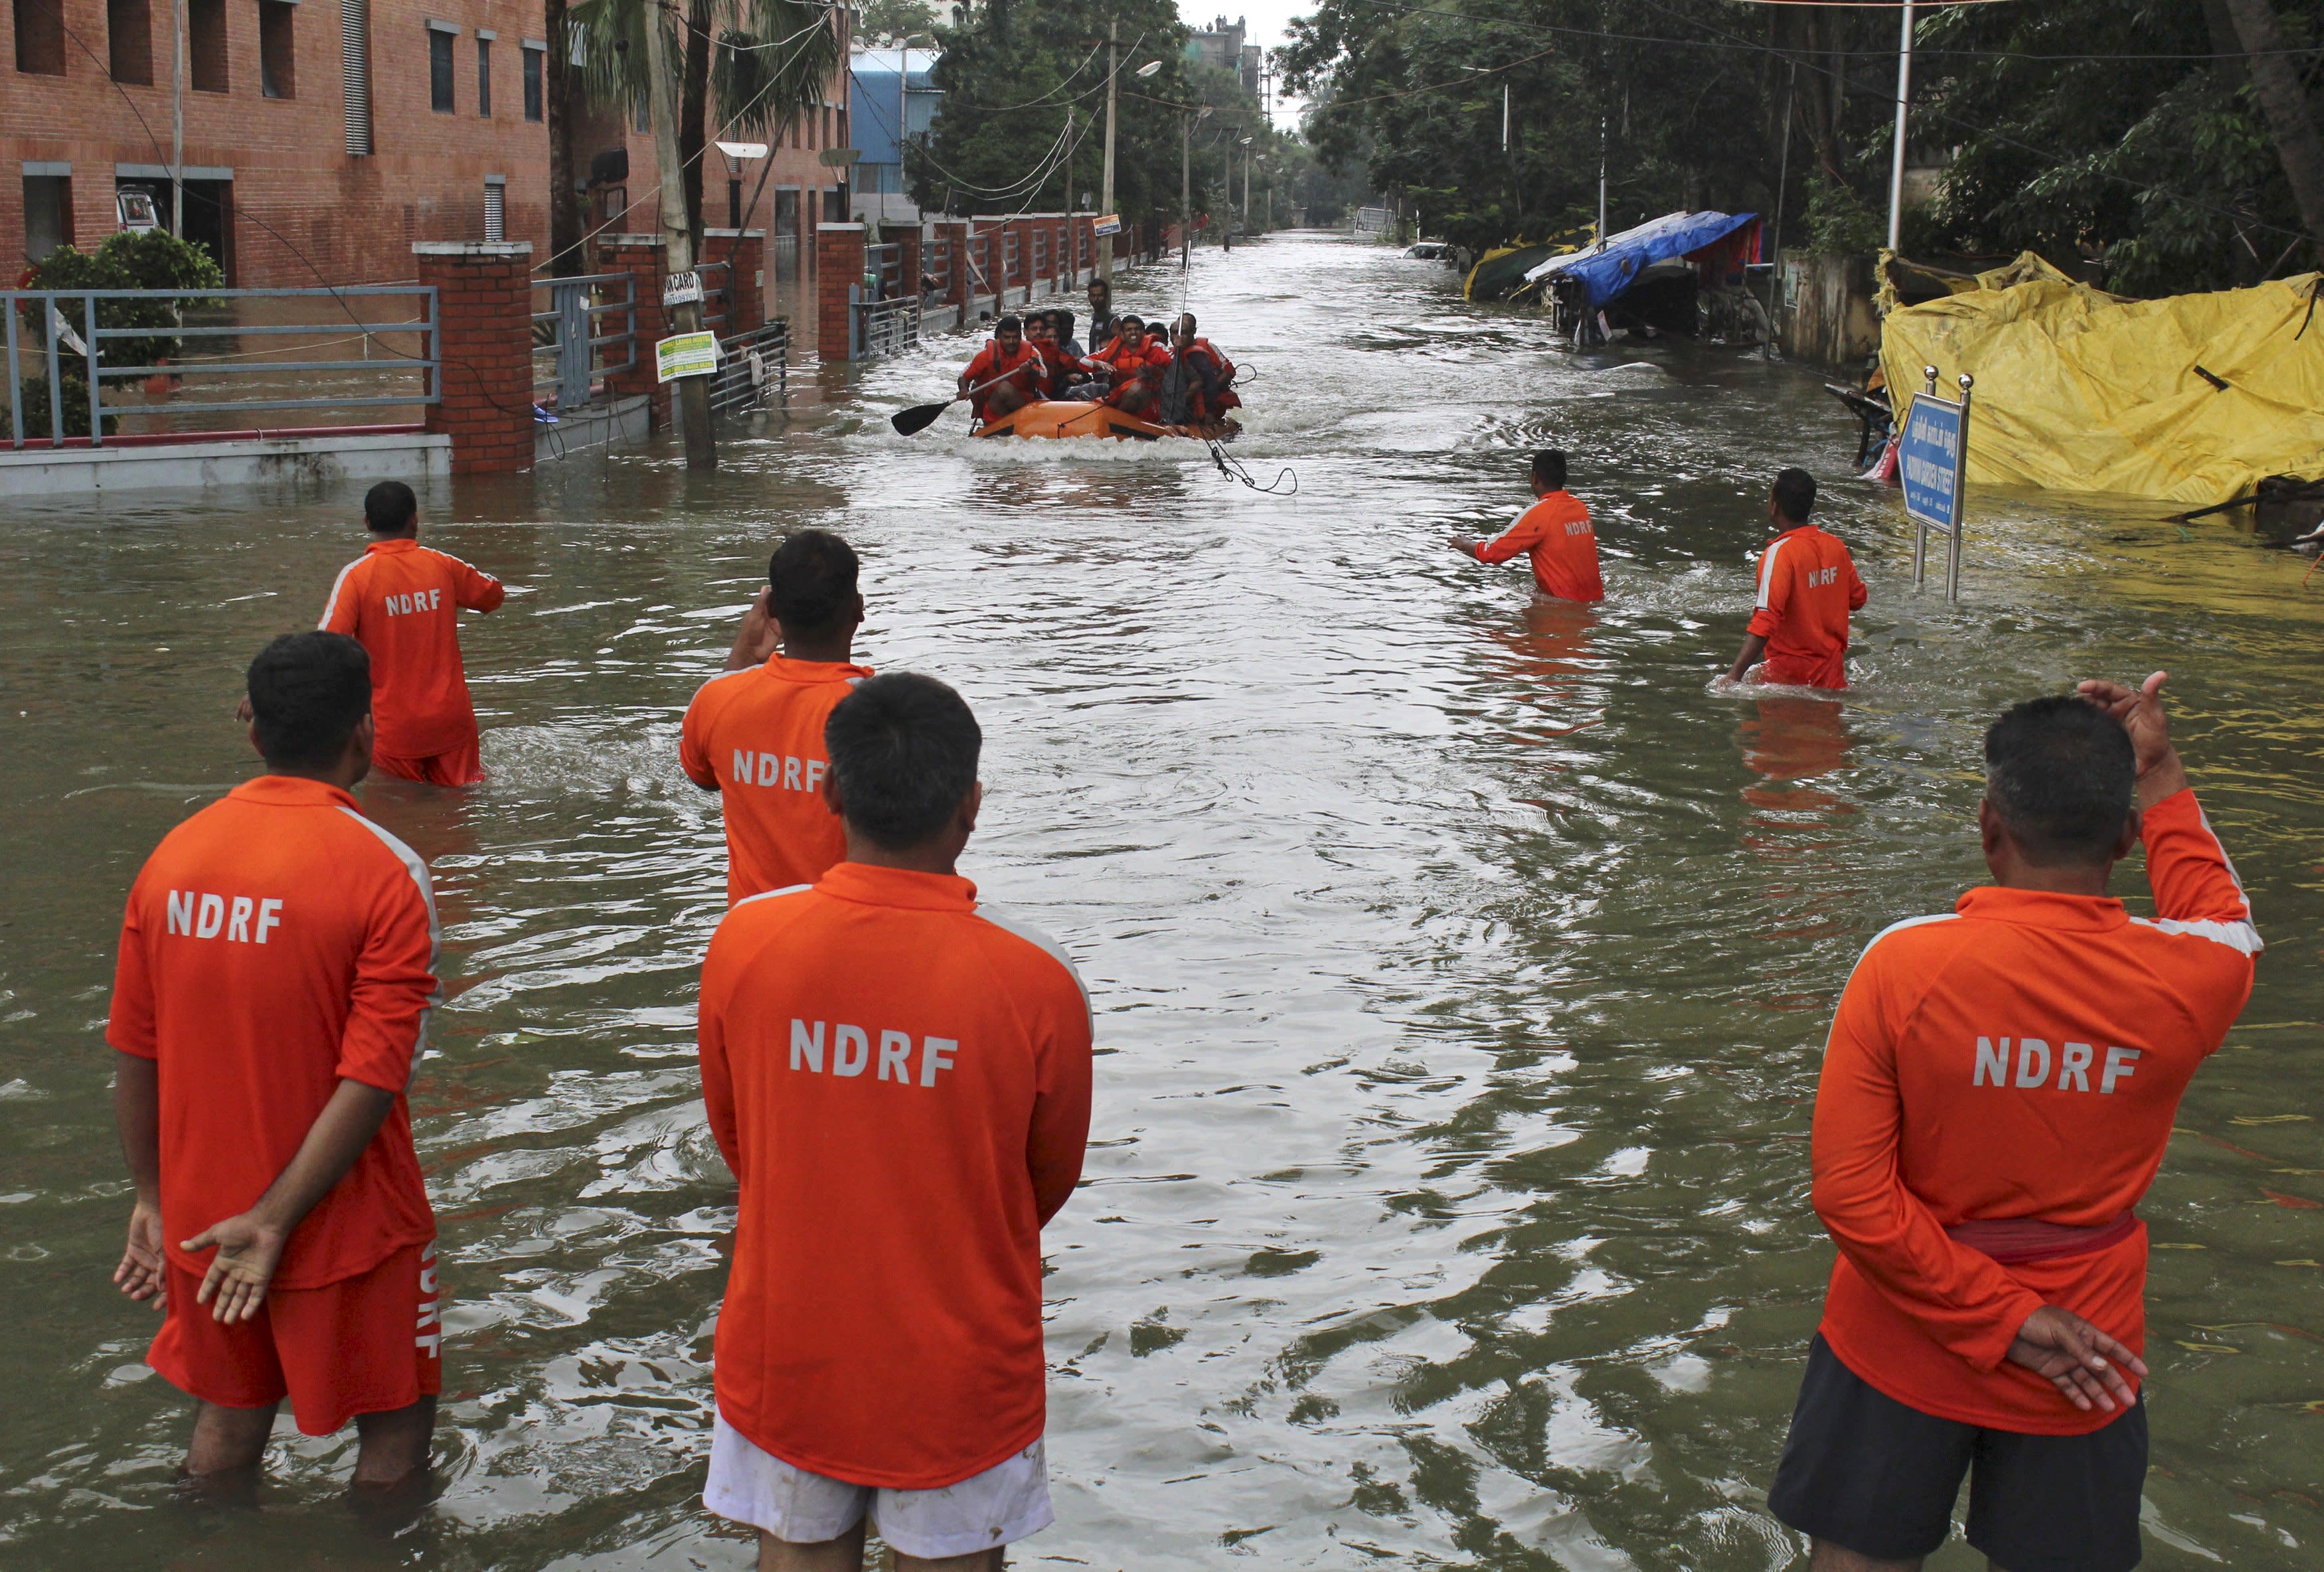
1995,1098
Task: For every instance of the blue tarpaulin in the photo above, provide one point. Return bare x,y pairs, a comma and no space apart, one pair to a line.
1609,269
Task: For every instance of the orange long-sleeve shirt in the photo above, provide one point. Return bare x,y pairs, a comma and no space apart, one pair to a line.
1555,533
1808,585
900,1081
757,735
402,602
276,944
2019,1059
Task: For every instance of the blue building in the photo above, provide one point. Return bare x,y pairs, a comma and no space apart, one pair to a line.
886,88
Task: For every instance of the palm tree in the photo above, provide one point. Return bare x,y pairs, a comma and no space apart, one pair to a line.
757,63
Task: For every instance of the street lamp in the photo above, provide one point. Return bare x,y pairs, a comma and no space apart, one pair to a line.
1149,68
739,153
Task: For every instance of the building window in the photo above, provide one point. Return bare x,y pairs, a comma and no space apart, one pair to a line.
842,128
355,72
495,207
278,58
206,45
40,37
129,36
48,215
534,59
439,70
640,120
483,76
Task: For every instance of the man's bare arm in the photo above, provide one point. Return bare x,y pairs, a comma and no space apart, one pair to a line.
250,1243
1754,645
2161,775
137,1115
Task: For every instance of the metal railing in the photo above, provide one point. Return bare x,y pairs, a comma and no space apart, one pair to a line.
65,331
718,294
981,278
878,328
1040,255
936,262
588,333
883,265
1009,274
755,372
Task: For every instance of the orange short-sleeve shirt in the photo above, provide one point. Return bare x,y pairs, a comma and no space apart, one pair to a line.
1808,585
276,944
402,602
1556,533
757,736
900,1081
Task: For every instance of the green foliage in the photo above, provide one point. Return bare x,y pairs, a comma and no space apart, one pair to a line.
2161,170
153,260
1839,220
1009,79
889,19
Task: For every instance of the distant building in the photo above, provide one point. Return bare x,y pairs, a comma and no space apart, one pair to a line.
321,140
1221,46
887,88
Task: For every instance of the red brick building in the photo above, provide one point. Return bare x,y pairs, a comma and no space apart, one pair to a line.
322,138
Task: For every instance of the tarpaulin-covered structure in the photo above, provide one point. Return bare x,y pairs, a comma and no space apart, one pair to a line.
2193,398
1606,271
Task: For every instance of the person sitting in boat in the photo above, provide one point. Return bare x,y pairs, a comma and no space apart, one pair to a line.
1005,376
1041,338
1074,376
1062,320
1219,373
1136,366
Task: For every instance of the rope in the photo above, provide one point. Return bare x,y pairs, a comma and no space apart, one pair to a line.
1232,468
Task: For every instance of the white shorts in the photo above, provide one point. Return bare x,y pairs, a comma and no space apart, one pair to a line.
1007,1502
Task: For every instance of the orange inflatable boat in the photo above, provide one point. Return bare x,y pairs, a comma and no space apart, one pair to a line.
1081,418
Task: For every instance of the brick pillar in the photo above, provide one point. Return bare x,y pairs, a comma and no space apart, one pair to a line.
641,257
484,343
957,273
745,253
839,270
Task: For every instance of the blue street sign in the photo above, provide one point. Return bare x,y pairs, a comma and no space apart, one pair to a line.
1928,461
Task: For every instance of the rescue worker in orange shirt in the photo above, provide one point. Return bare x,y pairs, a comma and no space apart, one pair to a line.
1554,533
1997,1092
754,735
271,997
1011,368
404,603
1808,585
899,1079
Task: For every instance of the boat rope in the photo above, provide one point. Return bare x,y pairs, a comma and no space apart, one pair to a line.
1232,468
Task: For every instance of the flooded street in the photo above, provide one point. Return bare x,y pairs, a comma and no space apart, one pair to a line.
1461,964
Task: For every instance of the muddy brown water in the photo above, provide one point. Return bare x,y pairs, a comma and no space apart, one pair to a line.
1461,965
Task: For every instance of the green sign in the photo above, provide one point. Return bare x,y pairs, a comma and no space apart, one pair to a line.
685,355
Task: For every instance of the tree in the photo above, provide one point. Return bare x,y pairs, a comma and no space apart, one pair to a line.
155,260
1009,82
894,19
2119,133
565,256
757,63
2276,83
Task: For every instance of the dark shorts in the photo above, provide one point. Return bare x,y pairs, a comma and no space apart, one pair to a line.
1878,1477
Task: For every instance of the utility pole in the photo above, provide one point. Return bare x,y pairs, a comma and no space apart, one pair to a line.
1601,179
1903,102
1105,198
177,119
1186,192
678,236
1073,234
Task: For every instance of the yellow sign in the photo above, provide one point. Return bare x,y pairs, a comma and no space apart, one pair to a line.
685,355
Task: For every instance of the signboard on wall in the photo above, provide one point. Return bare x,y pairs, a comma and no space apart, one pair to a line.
1109,224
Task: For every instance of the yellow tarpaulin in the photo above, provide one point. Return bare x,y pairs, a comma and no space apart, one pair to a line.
2078,389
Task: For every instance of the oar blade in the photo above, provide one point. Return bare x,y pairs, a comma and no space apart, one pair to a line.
919,418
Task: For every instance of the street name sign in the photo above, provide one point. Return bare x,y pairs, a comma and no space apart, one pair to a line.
1928,461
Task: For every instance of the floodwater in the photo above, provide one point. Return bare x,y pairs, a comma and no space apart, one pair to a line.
1461,964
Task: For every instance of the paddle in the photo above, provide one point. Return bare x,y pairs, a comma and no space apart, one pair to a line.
920,416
